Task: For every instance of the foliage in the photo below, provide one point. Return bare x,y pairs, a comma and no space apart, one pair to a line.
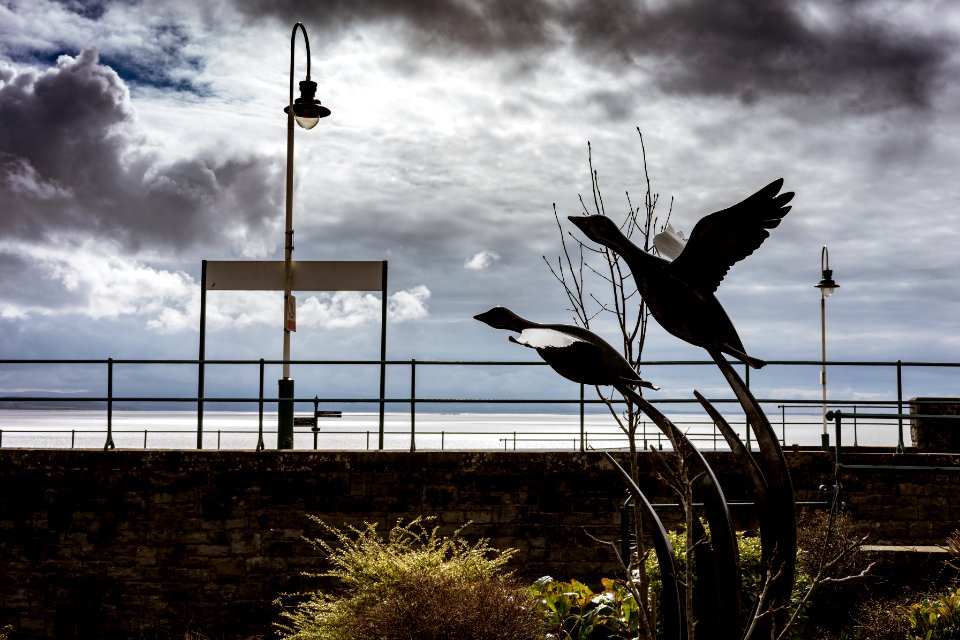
574,612
936,618
415,583
752,569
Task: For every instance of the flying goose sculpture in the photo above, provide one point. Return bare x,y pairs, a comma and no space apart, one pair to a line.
680,293
575,353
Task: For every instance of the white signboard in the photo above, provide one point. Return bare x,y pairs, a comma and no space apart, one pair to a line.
306,275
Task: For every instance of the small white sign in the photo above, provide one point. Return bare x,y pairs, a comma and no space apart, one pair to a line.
291,320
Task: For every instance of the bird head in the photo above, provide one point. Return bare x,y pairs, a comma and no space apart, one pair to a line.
600,229
502,318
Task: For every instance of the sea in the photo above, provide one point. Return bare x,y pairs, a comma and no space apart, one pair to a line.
239,430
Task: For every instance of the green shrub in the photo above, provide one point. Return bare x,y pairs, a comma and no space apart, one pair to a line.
752,570
936,618
574,612
415,584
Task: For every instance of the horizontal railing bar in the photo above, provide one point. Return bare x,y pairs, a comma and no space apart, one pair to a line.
404,400
894,416
118,361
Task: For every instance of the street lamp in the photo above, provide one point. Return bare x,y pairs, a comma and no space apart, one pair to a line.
827,286
307,111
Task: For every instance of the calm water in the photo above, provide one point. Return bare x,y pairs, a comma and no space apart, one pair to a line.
471,431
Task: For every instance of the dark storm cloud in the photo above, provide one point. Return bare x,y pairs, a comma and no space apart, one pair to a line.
437,25
754,48
745,49
71,159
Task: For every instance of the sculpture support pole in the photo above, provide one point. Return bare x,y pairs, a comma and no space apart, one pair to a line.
780,548
674,617
724,554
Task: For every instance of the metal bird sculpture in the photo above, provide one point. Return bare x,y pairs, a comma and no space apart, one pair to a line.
574,352
581,356
680,293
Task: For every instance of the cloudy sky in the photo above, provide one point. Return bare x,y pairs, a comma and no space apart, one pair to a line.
139,138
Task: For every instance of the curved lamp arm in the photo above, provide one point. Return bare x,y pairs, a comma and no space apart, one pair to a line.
306,109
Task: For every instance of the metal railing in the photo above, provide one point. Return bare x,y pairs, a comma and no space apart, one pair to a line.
416,402
837,417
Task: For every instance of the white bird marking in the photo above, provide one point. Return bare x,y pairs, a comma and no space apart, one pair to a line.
546,338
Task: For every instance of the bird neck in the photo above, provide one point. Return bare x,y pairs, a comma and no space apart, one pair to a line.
636,258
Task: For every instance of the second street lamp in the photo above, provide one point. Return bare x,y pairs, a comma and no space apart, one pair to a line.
306,111
827,286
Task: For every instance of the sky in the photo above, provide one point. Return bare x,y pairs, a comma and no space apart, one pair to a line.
139,138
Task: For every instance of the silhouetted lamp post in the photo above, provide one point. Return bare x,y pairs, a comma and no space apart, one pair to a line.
307,111
827,286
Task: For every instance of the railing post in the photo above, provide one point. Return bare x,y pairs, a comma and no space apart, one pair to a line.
837,416
900,406
201,357
316,420
855,443
783,424
260,444
583,434
109,444
413,405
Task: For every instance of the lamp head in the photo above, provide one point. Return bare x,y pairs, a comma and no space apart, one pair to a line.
307,110
827,285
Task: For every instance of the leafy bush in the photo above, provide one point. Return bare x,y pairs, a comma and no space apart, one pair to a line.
575,612
936,618
752,570
415,584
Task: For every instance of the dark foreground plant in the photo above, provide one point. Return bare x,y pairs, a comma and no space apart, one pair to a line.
415,584
574,612
936,618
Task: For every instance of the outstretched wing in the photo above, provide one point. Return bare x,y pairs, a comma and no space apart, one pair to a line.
721,239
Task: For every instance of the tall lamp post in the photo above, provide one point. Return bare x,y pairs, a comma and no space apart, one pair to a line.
307,111
827,286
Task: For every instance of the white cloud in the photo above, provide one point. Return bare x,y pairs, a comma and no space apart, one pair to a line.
249,309
346,309
93,280
481,260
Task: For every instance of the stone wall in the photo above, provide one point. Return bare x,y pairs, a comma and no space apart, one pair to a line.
131,544
935,427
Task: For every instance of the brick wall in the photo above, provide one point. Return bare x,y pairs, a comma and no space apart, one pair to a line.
130,544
